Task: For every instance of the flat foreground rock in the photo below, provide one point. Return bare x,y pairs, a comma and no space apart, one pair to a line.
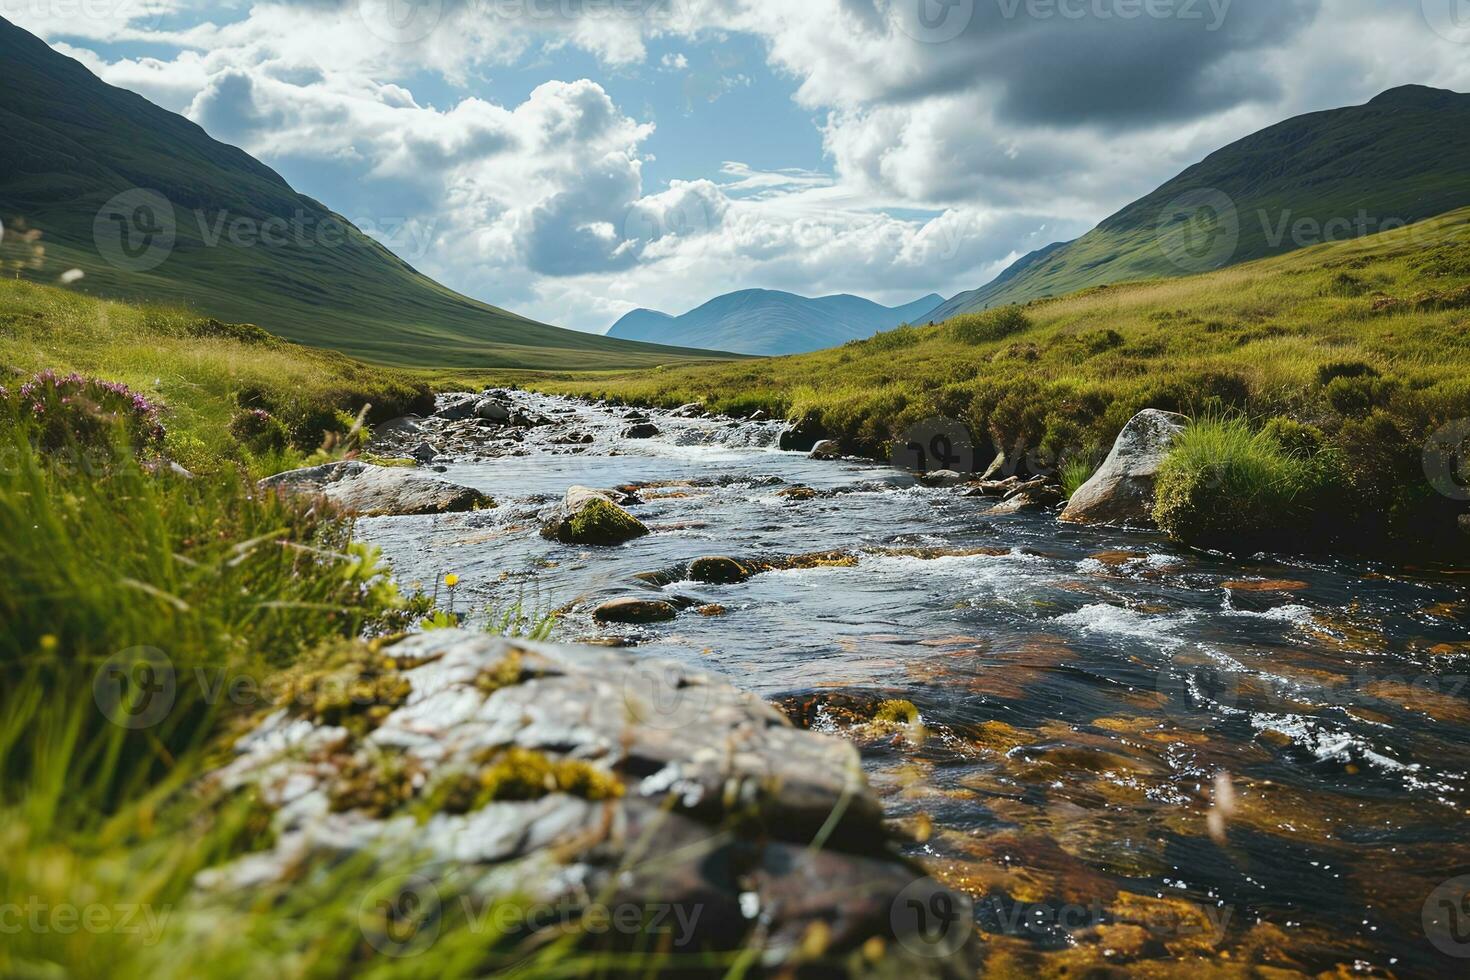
374,491
545,772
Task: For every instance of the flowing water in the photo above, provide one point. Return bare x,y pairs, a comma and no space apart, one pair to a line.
1125,750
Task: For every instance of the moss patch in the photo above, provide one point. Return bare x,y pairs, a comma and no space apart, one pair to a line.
523,774
353,685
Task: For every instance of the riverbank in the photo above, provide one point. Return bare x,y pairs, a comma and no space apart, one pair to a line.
1363,343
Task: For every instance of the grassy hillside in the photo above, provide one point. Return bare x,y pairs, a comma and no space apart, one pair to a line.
1401,158
204,372
72,143
1367,341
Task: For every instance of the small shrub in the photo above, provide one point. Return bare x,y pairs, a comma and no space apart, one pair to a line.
979,328
1328,373
245,333
78,412
1356,397
259,431
1295,437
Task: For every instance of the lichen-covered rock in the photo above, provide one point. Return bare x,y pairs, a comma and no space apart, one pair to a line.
544,772
371,491
587,516
1122,490
718,570
633,610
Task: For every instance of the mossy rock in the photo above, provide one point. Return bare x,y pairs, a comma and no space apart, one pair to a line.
590,518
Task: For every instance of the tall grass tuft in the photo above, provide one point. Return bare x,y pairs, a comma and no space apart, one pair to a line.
1224,484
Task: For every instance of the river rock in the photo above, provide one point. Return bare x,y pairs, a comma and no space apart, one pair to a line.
398,430
374,491
492,411
633,610
641,430
1122,490
803,435
587,516
1032,496
458,411
827,449
424,453
718,570
647,750
942,478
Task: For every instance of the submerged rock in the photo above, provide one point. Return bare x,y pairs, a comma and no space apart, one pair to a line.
539,772
634,610
374,491
587,516
1122,490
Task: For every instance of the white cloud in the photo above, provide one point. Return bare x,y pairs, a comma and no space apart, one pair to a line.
946,158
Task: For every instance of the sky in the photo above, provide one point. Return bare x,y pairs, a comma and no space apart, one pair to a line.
572,160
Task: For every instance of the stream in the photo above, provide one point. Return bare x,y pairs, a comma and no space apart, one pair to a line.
1125,750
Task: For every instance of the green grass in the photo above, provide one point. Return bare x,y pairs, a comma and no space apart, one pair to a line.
1227,484
1401,158
206,373
1367,341
72,143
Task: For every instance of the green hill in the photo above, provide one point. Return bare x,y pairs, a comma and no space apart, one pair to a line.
1366,342
1326,176
72,144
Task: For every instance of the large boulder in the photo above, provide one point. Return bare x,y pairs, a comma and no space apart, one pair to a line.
503,768
587,516
1122,490
375,491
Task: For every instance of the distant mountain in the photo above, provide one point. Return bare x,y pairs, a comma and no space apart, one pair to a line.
768,322
151,208
1326,176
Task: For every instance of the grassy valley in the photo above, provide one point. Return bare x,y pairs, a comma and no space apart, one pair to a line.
204,226
1364,342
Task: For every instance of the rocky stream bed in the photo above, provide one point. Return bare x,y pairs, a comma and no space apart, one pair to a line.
1024,745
